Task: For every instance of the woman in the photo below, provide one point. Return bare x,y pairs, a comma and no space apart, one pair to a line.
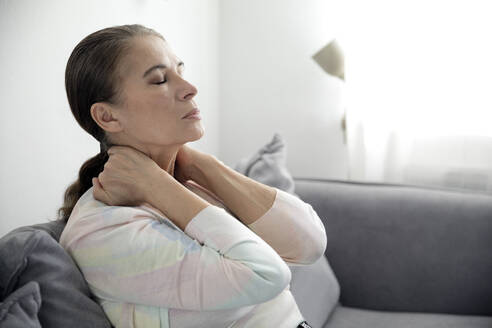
165,235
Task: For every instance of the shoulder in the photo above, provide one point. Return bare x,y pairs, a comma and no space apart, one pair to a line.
90,215
89,207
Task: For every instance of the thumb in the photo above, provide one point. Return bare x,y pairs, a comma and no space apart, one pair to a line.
98,191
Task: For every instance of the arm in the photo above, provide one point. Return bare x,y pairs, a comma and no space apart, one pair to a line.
245,197
174,200
127,255
293,228
285,222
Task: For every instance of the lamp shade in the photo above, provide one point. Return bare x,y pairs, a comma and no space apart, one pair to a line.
331,59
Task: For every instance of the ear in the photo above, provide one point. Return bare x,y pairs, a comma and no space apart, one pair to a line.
103,115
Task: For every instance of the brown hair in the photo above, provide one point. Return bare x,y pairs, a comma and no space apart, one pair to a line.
90,77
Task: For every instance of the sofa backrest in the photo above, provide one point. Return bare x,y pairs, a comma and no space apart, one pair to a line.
32,254
406,248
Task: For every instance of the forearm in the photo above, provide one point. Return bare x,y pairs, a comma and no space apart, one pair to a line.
246,198
173,199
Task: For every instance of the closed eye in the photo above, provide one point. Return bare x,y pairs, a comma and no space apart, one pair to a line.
165,80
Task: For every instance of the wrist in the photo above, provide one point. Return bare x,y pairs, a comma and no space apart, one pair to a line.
155,185
203,168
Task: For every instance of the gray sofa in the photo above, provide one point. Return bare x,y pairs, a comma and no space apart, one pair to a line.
397,256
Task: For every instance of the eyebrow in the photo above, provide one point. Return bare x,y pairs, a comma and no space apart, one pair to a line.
158,66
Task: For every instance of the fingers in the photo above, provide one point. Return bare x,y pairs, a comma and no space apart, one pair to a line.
98,191
127,151
117,149
113,149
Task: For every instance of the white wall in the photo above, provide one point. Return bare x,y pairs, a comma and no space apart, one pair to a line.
270,83
42,145
250,60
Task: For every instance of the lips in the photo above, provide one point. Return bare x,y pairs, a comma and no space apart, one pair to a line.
193,112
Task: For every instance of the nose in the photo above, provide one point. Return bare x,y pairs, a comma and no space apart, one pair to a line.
186,90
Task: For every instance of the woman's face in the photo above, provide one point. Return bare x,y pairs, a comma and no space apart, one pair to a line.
155,97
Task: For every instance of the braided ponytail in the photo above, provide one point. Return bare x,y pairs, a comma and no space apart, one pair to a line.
91,168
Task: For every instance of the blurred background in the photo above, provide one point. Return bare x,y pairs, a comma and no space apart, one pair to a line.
371,91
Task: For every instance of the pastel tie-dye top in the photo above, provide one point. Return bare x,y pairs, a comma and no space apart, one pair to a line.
146,272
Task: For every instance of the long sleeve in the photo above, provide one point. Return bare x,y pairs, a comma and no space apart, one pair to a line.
293,228
125,253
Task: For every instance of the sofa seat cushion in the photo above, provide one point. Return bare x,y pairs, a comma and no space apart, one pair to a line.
346,317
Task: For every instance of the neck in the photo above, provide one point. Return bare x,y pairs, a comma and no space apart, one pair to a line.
165,158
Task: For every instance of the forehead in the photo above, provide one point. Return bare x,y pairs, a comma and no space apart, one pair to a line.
145,52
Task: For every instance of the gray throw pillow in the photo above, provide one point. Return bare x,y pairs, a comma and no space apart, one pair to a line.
20,309
268,165
32,253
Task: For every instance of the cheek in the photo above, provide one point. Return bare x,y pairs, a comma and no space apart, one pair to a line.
152,119
149,108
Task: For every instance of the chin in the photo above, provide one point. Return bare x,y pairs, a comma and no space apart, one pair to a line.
198,135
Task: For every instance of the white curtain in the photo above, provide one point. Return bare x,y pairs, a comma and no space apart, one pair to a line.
418,91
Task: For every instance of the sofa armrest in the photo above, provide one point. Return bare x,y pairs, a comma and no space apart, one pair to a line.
406,248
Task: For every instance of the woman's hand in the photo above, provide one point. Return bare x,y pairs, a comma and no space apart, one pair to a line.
187,162
127,177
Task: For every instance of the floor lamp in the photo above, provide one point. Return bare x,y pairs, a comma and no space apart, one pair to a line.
332,61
